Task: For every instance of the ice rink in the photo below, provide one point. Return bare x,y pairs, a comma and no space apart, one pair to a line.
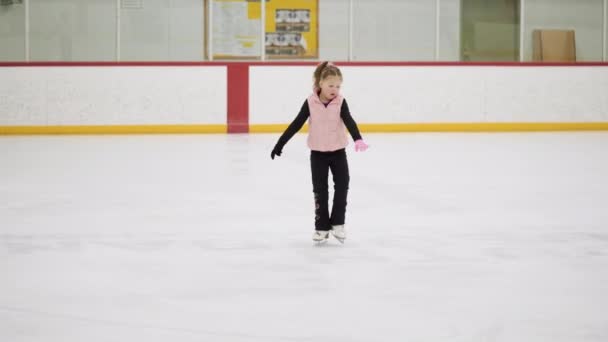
452,237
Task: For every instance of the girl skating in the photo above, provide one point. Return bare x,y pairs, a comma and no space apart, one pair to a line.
328,118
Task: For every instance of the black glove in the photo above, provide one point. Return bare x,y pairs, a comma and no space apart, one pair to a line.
275,152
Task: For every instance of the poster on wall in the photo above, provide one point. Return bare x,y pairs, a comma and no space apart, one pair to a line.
291,29
235,29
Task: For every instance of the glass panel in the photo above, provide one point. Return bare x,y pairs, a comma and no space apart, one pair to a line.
162,30
394,30
333,30
449,30
64,30
186,30
490,30
12,32
585,17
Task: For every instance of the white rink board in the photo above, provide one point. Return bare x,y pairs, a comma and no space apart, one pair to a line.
113,95
441,94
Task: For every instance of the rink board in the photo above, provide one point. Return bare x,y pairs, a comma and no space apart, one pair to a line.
115,98
239,97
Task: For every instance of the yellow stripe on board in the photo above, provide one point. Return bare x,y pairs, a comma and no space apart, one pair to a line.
272,128
487,127
279,128
461,127
113,129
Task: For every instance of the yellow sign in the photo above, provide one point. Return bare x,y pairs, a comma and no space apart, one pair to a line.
291,29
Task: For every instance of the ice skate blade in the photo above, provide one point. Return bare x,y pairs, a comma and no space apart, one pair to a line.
339,239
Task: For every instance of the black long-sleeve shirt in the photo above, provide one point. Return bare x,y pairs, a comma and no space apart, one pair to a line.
300,120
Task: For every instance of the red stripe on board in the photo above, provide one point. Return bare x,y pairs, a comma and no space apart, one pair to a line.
110,64
439,64
238,98
296,63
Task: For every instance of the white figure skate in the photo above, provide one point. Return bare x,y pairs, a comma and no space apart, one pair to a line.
320,236
339,232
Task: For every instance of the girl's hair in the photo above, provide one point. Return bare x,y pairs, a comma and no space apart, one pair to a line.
323,71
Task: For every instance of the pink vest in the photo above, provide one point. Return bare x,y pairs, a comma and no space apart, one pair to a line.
326,130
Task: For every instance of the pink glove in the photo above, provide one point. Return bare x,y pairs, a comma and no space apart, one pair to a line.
360,145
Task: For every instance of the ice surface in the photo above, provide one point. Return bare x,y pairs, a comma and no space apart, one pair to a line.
452,237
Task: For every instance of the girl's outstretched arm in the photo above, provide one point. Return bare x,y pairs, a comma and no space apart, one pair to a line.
293,128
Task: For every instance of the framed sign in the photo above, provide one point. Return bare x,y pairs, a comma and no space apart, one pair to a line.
291,29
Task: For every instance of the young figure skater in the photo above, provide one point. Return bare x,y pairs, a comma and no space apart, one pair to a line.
327,114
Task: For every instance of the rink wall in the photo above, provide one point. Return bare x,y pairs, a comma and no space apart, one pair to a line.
444,97
112,99
214,97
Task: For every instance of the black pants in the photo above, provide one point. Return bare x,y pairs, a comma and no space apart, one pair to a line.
320,164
